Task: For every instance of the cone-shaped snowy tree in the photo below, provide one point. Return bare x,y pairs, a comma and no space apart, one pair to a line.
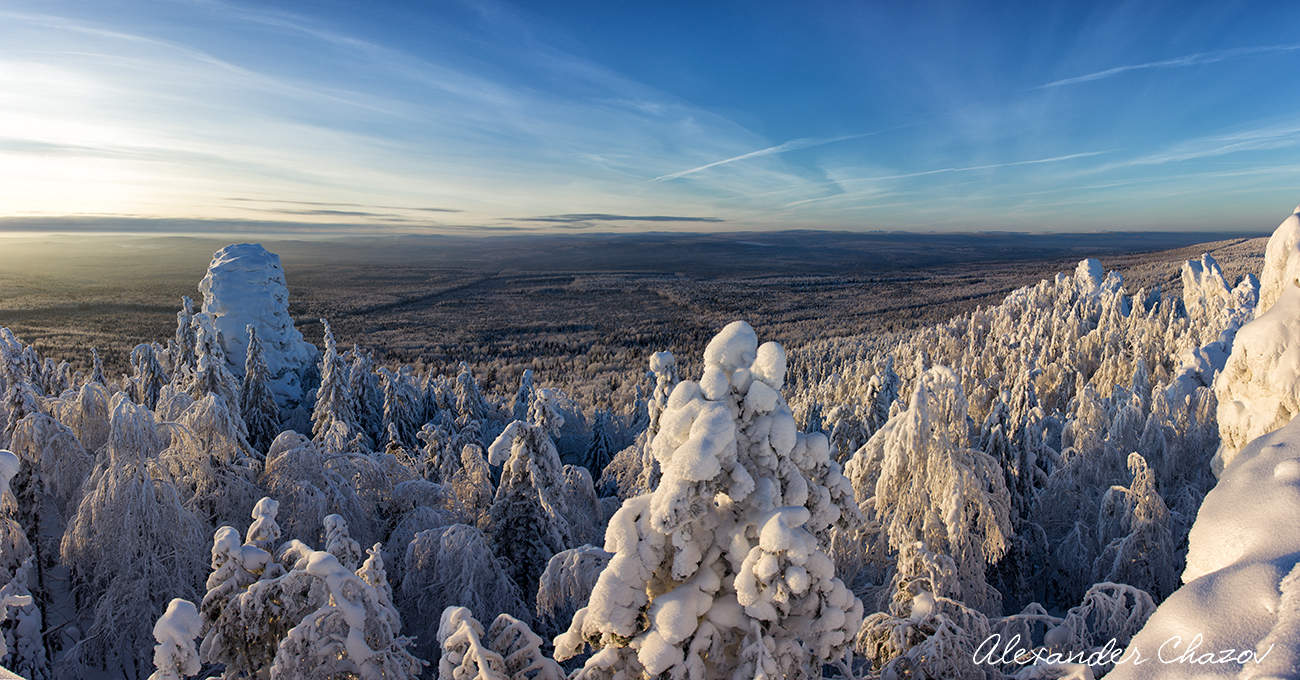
601,448
96,368
257,404
526,521
180,349
333,422
523,396
722,571
211,375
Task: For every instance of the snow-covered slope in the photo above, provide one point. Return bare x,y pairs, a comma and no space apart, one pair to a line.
1259,390
245,285
1236,615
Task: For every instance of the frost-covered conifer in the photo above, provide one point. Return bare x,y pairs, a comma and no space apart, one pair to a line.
180,349
544,411
264,532
454,565
566,585
256,403
211,374
523,396
722,571
97,368
148,375
334,417
175,656
402,405
926,484
527,520
350,635
308,485
468,401
130,544
340,544
1139,549
601,448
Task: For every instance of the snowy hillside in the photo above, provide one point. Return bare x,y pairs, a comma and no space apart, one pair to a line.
1034,489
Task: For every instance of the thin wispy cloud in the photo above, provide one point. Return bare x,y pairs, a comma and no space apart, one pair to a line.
1198,59
974,168
571,218
784,147
332,204
938,171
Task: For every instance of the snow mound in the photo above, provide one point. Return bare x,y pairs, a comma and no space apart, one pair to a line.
1259,389
245,285
1242,547
1281,261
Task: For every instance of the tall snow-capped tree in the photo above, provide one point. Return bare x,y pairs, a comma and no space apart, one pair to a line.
96,368
1133,528
923,482
882,391
523,396
722,571
256,402
468,400
334,417
148,375
130,545
211,374
363,383
601,448
180,348
527,520
402,406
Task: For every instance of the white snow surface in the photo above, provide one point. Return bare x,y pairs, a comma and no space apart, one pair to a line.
245,285
1259,389
1281,261
1239,605
1244,543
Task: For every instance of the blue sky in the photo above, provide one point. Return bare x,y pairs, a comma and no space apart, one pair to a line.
607,116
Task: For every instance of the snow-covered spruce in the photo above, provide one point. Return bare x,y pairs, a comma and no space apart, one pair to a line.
722,570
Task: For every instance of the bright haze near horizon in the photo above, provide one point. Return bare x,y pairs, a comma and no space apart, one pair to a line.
489,117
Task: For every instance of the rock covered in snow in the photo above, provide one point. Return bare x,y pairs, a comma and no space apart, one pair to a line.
245,286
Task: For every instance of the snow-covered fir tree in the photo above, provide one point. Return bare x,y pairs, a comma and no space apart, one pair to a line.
722,570
256,403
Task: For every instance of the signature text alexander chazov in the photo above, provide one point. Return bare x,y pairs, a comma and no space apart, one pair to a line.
1175,650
